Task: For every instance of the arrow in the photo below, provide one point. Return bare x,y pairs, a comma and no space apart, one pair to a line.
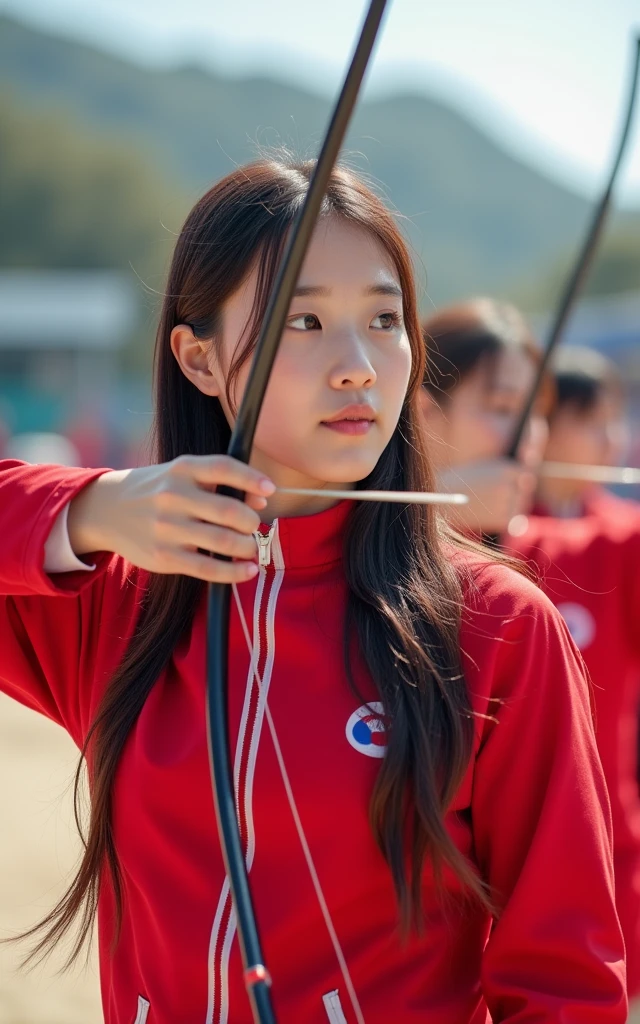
597,474
398,497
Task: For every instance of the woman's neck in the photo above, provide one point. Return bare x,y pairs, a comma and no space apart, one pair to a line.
561,498
292,505
281,505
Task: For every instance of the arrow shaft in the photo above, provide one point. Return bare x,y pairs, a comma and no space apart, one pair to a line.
597,474
397,497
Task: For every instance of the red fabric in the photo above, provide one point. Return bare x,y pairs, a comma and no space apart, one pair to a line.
531,813
590,568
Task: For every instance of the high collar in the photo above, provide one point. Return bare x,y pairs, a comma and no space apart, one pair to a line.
313,540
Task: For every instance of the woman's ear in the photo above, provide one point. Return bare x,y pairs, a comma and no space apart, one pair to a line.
194,361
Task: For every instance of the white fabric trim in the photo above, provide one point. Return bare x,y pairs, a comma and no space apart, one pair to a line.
224,961
59,556
223,1011
211,967
143,1010
333,1006
278,563
220,1015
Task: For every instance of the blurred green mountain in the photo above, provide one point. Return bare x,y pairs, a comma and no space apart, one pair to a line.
125,149
72,197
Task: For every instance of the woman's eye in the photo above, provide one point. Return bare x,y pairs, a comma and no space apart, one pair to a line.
305,322
386,321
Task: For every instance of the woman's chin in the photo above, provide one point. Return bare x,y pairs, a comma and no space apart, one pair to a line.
316,468
345,474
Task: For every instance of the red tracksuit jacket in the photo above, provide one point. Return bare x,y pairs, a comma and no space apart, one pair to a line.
590,568
531,814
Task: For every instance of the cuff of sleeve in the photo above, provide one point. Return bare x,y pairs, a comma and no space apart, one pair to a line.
50,489
59,556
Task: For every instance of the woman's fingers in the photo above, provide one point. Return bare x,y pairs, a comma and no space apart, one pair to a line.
216,539
527,485
212,508
212,570
192,515
254,502
158,517
217,470
498,489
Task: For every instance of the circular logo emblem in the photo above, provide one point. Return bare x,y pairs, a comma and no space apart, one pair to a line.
580,622
367,730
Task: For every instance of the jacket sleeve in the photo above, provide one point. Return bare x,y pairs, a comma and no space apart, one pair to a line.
542,831
60,635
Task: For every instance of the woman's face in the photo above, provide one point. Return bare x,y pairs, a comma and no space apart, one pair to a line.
341,373
475,420
595,437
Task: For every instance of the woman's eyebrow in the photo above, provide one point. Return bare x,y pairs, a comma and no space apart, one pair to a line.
311,289
318,291
384,289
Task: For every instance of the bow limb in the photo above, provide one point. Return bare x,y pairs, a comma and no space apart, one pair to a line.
593,474
578,276
256,976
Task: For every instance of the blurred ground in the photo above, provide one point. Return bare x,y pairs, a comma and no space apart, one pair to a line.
38,850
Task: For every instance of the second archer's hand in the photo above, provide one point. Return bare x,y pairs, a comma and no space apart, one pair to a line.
498,490
157,517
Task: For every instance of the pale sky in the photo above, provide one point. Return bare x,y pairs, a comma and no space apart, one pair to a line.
546,77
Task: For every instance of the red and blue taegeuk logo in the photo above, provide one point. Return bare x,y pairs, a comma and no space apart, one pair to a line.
367,730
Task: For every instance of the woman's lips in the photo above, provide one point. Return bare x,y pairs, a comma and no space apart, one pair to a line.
354,427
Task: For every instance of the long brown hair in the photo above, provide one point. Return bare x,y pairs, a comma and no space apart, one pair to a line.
582,378
471,335
466,335
404,596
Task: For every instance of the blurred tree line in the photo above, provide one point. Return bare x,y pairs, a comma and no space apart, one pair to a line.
616,269
74,198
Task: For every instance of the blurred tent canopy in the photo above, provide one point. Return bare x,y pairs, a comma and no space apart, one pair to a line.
43,309
60,335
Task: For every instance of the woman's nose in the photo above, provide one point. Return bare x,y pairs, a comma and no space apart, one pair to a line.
353,369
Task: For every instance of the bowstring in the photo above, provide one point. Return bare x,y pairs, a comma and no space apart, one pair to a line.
333,935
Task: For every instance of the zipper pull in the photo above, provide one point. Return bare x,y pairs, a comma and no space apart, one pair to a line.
263,540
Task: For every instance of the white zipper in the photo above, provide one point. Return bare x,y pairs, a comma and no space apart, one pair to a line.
261,652
333,1006
263,540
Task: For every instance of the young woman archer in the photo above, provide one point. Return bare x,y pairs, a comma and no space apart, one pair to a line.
585,542
581,542
432,712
